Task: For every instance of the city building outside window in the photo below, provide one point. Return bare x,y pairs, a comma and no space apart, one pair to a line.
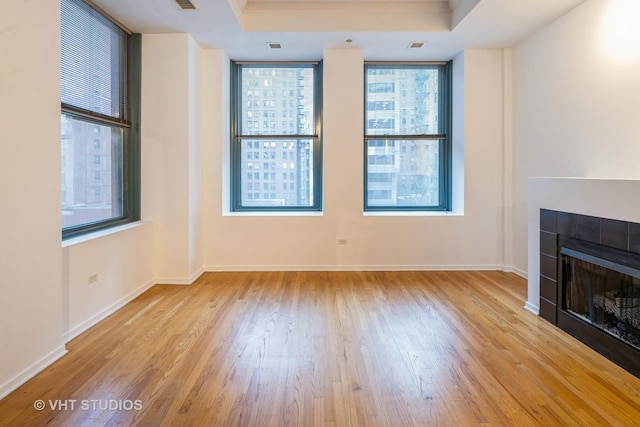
279,152
407,139
99,87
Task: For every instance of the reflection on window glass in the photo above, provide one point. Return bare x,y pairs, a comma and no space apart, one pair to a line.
262,96
91,188
300,191
403,173
402,101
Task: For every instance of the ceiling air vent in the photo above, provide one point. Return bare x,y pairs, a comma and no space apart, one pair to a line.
186,4
415,45
273,45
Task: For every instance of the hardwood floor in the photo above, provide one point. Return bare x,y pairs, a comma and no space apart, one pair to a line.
329,349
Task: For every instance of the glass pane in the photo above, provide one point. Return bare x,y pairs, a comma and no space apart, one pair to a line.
91,60
277,101
91,172
403,173
402,100
277,173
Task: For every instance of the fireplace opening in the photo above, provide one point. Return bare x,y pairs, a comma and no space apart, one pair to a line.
603,293
599,299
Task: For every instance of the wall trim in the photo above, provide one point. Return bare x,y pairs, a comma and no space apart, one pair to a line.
515,270
28,373
181,281
532,308
106,312
231,268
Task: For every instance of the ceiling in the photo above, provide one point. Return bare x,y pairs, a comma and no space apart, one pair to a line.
382,28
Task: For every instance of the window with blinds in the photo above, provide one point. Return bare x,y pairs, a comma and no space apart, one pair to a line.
93,63
98,144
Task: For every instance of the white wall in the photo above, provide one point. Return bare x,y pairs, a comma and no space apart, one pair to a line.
196,238
248,242
171,184
576,102
30,221
123,264
457,139
45,299
215,128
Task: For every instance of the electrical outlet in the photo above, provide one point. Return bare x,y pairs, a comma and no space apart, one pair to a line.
342,241
93,278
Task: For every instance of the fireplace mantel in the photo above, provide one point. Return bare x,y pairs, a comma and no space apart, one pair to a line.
607,198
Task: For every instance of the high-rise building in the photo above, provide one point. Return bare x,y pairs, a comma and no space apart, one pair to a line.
277,102
87,177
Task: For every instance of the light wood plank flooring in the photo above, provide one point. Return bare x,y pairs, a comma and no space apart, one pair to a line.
330,349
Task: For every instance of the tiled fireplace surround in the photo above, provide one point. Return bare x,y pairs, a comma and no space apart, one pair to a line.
622,235
605,212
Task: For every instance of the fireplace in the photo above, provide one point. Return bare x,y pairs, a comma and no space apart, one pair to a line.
590,282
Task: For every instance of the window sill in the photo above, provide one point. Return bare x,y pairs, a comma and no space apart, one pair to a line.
284,214
412,213
102,233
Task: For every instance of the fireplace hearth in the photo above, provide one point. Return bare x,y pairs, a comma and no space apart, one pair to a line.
590,282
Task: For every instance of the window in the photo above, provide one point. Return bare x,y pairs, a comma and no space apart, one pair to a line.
407,137
100,104
299,136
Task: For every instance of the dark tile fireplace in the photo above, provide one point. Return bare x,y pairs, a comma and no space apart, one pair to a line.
590,282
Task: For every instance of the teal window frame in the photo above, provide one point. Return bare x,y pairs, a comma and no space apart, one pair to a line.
443,135
237,175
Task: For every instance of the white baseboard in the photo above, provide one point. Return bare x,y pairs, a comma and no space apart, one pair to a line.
31,371
532,308
106,312
181,281
239,268
516,270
